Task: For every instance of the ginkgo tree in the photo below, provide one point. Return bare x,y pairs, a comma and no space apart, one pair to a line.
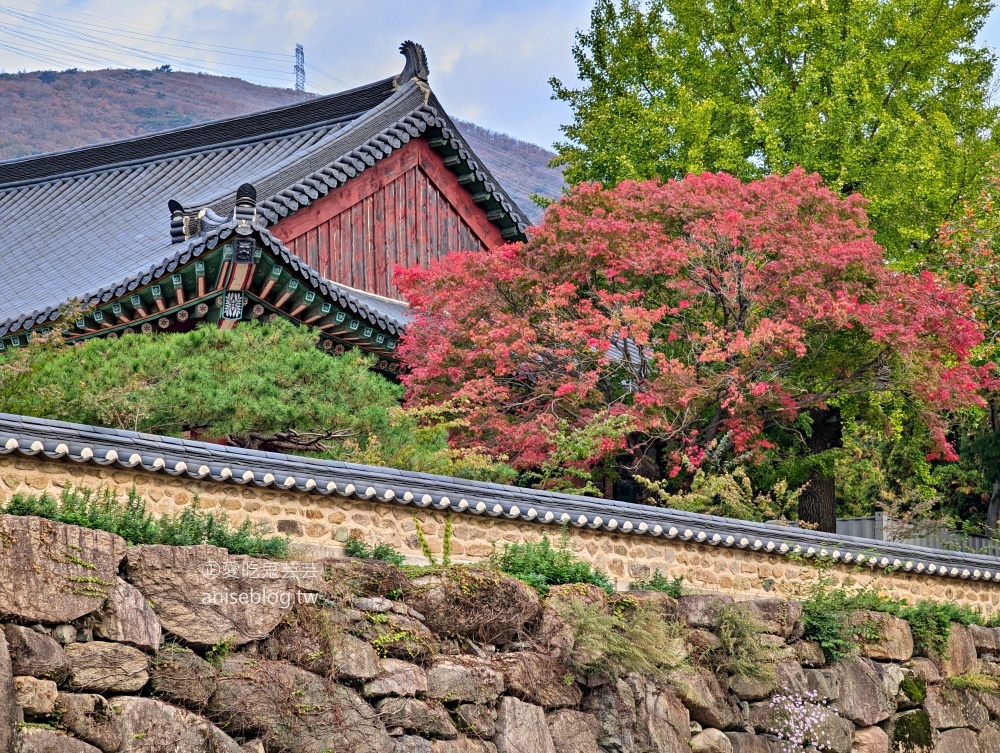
887,98
667,320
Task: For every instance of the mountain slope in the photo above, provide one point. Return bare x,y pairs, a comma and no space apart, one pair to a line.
49,111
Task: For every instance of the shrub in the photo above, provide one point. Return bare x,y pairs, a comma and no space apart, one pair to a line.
542,565
825,615
616,642
129,518
659,582
742,653
826,608
355,547
930,623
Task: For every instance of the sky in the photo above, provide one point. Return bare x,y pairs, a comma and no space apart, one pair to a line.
490,62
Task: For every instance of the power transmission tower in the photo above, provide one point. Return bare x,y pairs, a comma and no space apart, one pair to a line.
300,68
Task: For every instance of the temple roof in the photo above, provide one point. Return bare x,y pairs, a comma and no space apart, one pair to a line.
92,222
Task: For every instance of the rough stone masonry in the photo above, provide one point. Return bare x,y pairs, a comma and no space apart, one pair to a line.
118,650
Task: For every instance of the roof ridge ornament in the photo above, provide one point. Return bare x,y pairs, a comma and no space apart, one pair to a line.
416,63
245,210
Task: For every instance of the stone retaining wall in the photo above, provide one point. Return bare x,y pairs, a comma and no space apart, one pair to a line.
318,523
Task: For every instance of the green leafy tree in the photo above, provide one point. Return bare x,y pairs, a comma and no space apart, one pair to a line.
889,98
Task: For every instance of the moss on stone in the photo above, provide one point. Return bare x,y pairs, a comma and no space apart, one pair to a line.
912,733
914,688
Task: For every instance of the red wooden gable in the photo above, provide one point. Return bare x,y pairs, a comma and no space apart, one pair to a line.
407,209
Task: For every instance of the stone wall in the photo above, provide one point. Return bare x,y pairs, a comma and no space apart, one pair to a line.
110,649
318,524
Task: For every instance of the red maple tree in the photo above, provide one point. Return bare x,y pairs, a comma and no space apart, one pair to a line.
685,311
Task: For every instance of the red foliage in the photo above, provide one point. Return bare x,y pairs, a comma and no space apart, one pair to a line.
692,307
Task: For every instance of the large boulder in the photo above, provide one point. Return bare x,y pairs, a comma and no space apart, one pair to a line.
470,679
149,726
35,654
989,738
53,572
635,714
808,653
957,741
985,639
127,618
706,700
613,706
521,728
702,610
573,731
776,616
474,602
398,635
397,678
476,719
293,710
788,678
911,732
539,679
711,741
871,740
8,700
815,723
35,697
90,718
420,717
39,740
206,596
180,675
554,634
362,577
960,656
894,641
948,708
662,723
863,698
103,667
747,742
824,684
316,639
353,659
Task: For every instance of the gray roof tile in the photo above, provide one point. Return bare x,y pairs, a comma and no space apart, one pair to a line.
74,221
392,486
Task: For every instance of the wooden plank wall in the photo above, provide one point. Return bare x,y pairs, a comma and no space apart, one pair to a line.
392,213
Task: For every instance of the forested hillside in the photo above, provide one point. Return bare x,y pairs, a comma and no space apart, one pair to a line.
49,111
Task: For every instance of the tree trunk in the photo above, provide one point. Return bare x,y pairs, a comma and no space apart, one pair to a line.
994,511
818,503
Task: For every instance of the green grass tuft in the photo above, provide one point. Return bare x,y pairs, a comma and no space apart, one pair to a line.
542,565
129,517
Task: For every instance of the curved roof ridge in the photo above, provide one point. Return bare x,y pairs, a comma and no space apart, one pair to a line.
195,248
241,129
